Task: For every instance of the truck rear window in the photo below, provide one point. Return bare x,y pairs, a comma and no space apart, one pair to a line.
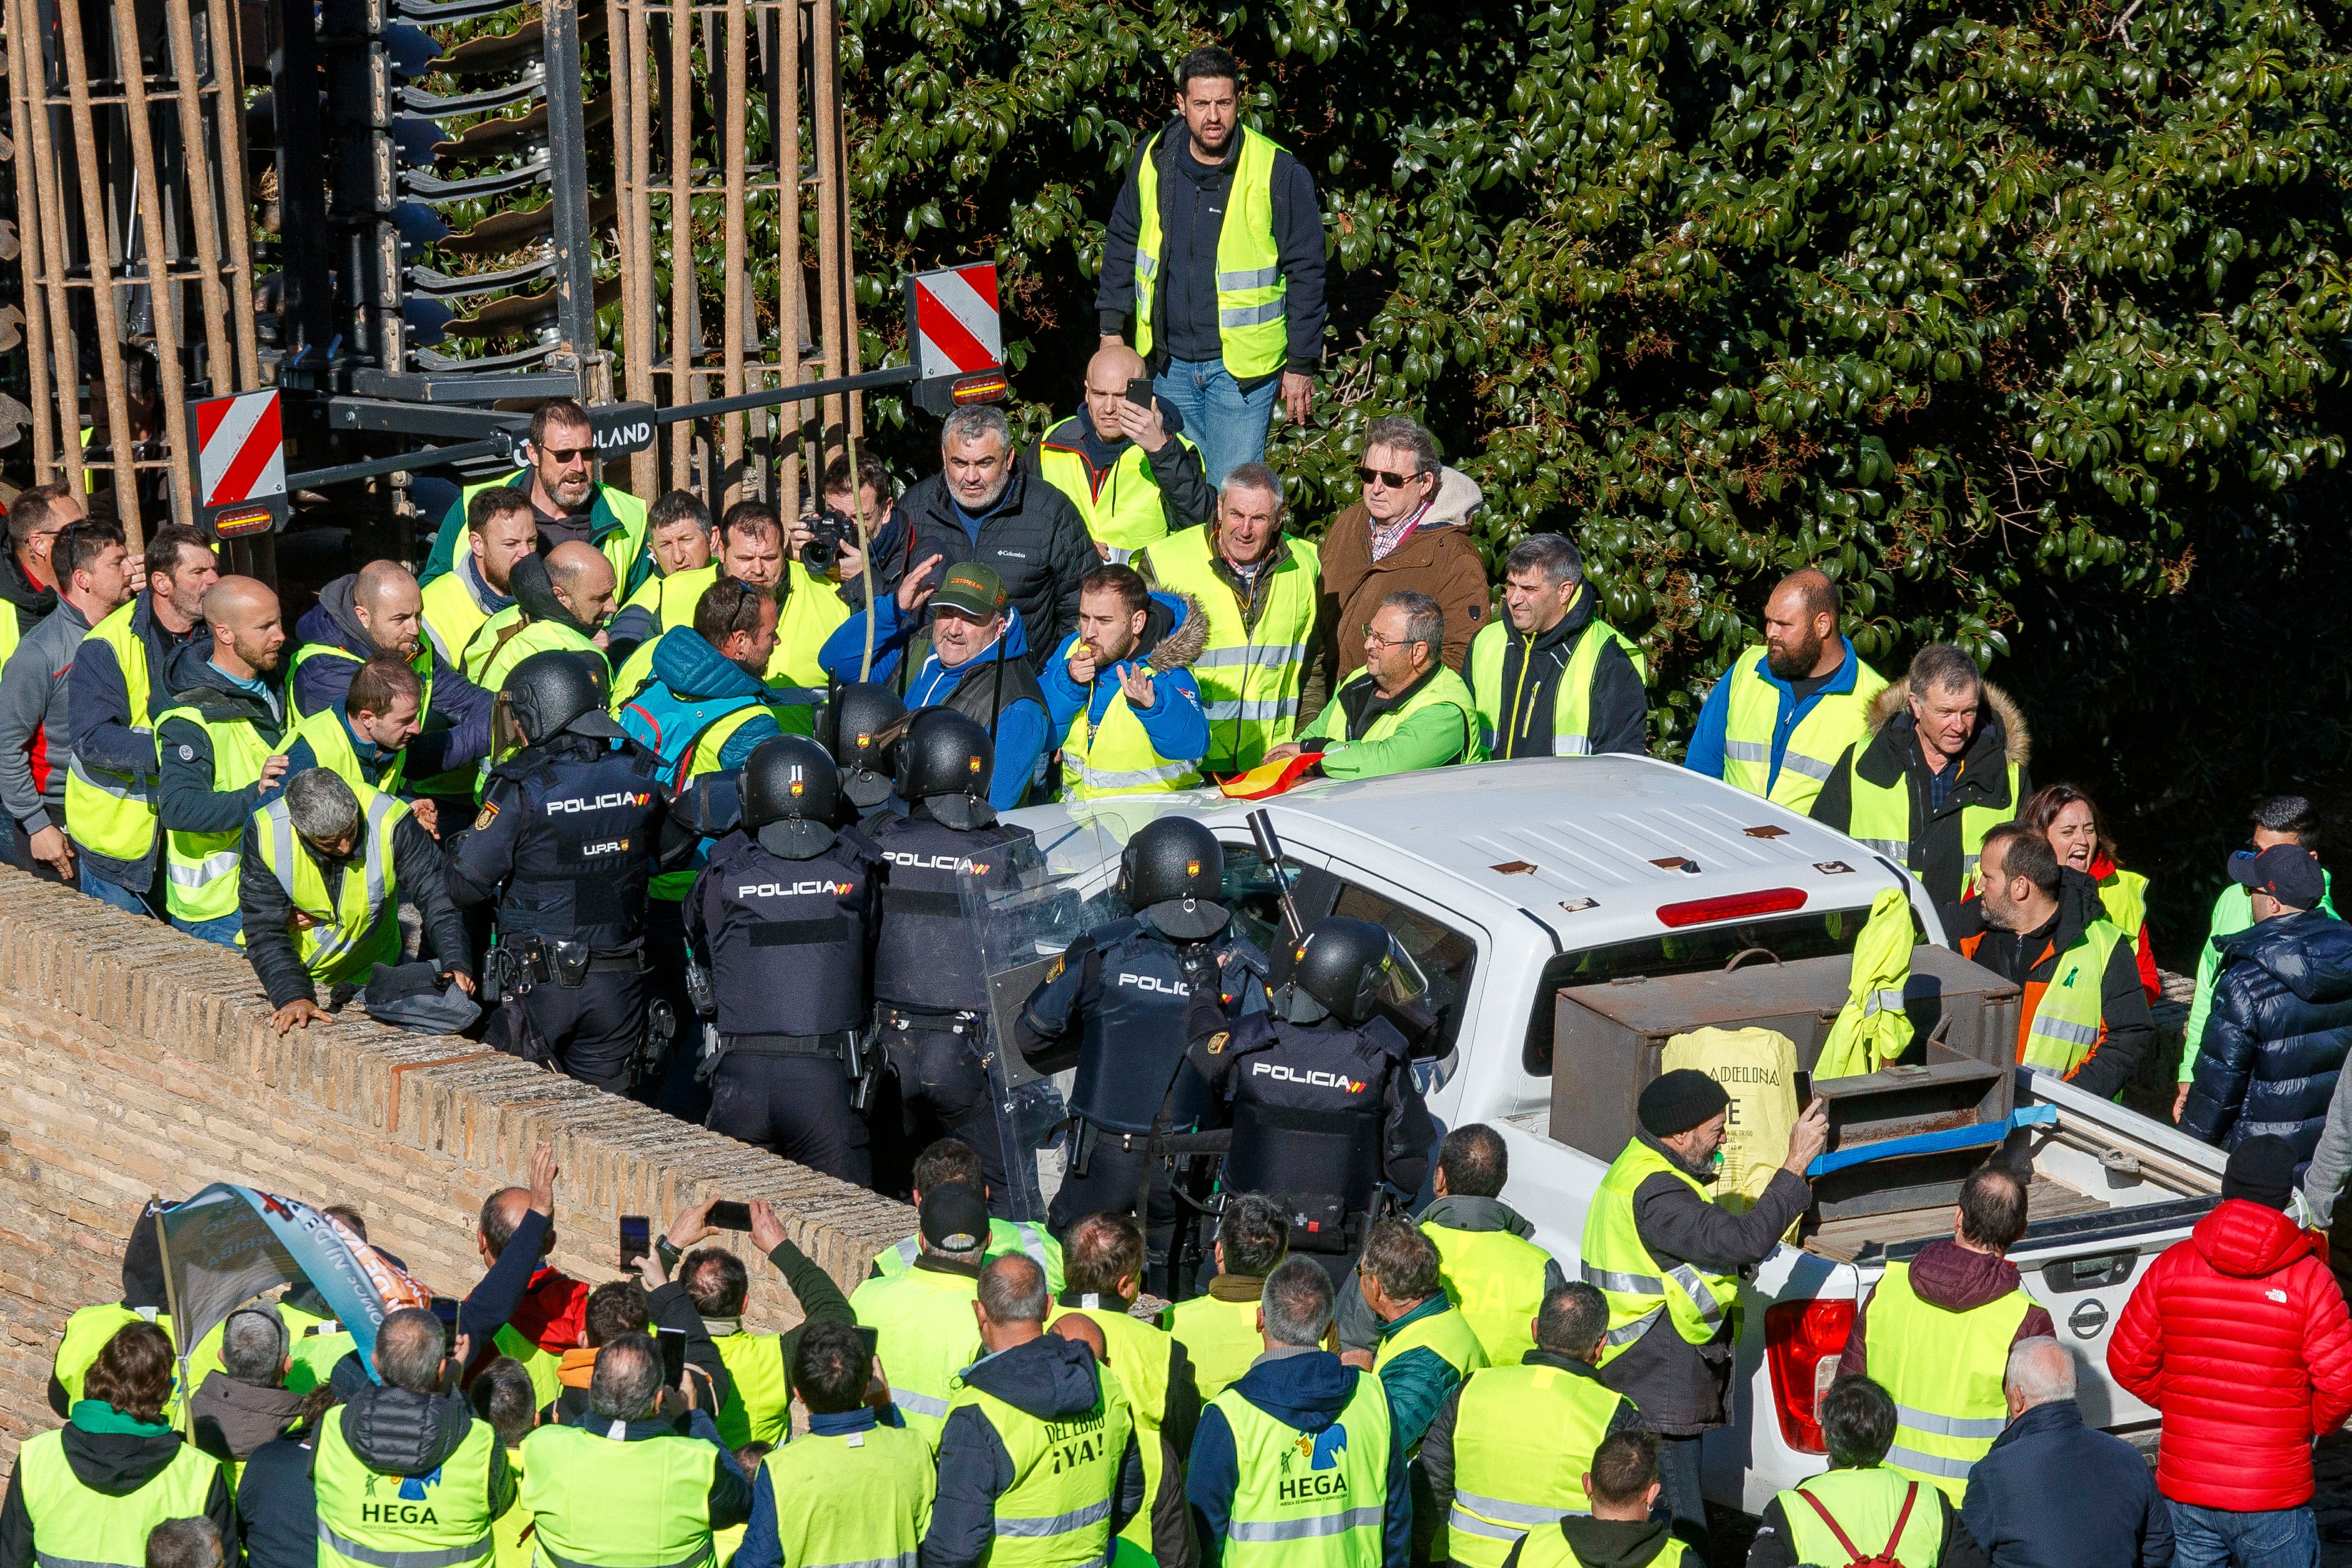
1784,937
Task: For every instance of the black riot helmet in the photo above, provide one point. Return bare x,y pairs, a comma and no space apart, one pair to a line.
1342,966
946,761
1172,874
859,724
559,691
790,792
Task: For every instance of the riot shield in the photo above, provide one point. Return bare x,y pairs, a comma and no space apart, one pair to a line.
1024,907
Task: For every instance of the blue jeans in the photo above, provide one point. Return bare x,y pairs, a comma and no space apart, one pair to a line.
224,930
107,892
2216,1538
1227,424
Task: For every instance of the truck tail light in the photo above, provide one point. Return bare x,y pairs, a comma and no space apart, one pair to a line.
1802,1341
1740,906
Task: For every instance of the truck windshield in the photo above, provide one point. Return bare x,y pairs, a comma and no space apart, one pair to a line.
1786,938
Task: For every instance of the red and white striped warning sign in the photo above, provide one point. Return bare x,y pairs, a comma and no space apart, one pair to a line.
241,446
955,321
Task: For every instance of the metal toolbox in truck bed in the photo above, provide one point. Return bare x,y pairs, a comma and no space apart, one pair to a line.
1608,1039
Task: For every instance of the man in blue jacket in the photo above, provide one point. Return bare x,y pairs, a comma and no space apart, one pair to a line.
972,657
1298,1390
1126,665
1783,714
2053,1493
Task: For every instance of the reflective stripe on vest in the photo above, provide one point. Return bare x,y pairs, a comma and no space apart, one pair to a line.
200,868
351,934
1328,1513
1752,713
596,1502
1496,1281
1127,512
439,1520
1617,1263
1571,707
111,813
331,744
1865,1503
1943,1370
1057,1511
1881,820
1523,1438
76,1527
863,1500
2069,1017
1118,758
1252,330
1250,677
925,1336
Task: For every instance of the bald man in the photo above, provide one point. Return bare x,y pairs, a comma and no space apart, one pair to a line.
1124,461
562,601
219,746
378,610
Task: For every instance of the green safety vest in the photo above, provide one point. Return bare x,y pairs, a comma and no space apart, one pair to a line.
200,868
1550,1549
624,546
488,660
1127,512
1221,1337
1619,1265
1571,707
1116,757
926,1335
319,1345
75,1527
1140,1356
1865,1503
10,634
111,813
1006,1238
1881,820
1057,1513
1251,325
1249,677
862,1500
2069,1018
546,1381
1943,1370
1523,1438
2124,894
1838,719
598,1502
1309,1499
369,1519
87,1332
452,614
1445,689
331,742
759,1406
1496,1281
359,928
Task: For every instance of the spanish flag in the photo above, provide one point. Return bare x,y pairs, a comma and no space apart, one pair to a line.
1267,779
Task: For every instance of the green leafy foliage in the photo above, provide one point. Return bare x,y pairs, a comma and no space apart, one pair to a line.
2020,320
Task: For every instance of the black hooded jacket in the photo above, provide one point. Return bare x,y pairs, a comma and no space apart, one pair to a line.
115,1465
31,604
2033,957
1617,708
1050,1378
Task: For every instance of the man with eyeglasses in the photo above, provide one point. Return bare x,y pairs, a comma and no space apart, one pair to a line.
27,581
1407,535
571,506
1404,712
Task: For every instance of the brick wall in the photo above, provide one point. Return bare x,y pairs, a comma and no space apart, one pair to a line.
134,1060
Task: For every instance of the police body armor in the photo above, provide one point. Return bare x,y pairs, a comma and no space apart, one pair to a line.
1309,1129
1131,1053
815,912
586,850
925,959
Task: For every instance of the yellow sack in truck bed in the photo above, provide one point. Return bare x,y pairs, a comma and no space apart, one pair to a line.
1758,1068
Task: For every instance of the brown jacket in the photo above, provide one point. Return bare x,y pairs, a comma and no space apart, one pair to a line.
1439,560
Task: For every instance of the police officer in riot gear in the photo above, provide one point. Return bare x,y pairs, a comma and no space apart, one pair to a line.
782,916
1326,1116
929,987
859,724
1115,1008
570,829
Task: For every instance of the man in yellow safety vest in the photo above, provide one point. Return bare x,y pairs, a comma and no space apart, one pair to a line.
759,1366
562,603
1558,681
1426,1347
1777,722
1667,1260
857,1487
1124,463
1215,244
679,529
1218,1327
28,583
1935,1332
1404,710
500,529
219,750
1121,690
1860,1508
1623,1486
566,499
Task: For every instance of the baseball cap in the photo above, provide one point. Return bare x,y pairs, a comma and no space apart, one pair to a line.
955,1219
2287,872
974,589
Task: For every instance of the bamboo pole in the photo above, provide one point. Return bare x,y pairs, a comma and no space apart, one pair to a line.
228,117
735,301
645,468
823,59
162,295
30,180
66,363
678,109
221,364
98,241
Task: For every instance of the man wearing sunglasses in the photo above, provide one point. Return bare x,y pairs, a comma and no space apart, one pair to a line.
1404,712
569,504
1406,536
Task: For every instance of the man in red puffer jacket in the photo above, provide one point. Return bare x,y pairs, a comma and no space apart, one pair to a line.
2238,1338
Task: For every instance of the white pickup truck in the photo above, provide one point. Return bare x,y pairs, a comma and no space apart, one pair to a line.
1508,881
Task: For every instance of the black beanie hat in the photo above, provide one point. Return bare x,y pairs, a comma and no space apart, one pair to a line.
1679,1100
2260,1171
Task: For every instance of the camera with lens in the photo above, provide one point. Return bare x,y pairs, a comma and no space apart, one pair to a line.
829,529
